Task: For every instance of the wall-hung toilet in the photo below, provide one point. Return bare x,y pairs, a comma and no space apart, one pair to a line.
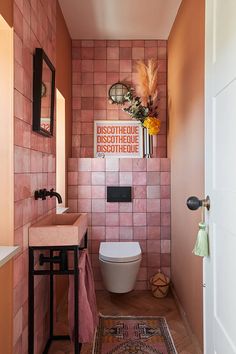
119,263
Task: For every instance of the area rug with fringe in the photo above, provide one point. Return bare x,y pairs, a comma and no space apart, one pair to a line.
133,334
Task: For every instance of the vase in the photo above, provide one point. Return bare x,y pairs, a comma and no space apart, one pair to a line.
147,144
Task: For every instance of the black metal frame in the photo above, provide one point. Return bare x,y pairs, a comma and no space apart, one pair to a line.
51,272
39,57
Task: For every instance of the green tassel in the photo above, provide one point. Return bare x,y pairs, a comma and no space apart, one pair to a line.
201,247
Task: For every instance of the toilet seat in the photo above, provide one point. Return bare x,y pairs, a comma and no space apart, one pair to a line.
119,252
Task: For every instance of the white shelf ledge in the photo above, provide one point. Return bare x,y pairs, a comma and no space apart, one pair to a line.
7,252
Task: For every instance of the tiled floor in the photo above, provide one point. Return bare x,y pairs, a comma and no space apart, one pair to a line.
134,303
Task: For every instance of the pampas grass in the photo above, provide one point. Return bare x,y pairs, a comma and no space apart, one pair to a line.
147,80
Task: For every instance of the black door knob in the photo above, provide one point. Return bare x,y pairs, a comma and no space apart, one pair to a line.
193,203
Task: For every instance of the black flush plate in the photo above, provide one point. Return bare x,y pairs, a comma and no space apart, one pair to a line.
118,194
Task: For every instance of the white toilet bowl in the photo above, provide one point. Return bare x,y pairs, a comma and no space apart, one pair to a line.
119,262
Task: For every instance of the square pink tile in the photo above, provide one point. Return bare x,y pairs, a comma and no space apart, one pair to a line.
125,164
153,232
98,192
165,165
165,219
125,43
100,103
84,178
113,65
100,65
150,52
140,192
125,178
165,178
112,219
86,90
153,205
153,192
153,178
137,53
153,246
140,232
153,219
112,178
100,53
84,205
98,219
84,192
112,164
100,91
153,164
98,178
125,207
87,65
165,233
87,43
154,260
84,164
125,53
165,205
86,103
113,52
126,233
112,233
126,219
100,78
139,165
139,219
98,205
98,233
72,178
87,53
165,260
87,78
98,164
72,164
165,246
126,66
165,191
139,178
112,207
72,192
139,205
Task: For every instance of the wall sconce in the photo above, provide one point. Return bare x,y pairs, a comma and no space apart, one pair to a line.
117,93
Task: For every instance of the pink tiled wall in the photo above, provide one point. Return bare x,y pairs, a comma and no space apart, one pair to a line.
34,158
146,219
96,66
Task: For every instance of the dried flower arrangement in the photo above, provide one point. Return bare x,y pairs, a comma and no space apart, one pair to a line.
144,107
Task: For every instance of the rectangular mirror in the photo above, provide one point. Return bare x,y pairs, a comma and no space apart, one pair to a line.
43,93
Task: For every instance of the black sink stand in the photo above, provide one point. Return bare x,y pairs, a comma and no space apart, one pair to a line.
51,272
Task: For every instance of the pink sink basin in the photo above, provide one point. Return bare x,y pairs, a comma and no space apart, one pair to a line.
59,230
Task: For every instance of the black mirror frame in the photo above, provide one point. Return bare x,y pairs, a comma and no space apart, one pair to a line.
39,57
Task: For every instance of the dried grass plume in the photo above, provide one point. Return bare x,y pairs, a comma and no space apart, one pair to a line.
147,79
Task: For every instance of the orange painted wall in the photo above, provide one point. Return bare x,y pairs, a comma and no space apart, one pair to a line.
6,10
186,150
6,308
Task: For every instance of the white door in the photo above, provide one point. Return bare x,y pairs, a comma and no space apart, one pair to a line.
220,267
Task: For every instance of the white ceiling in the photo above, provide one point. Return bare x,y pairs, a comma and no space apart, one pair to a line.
119,19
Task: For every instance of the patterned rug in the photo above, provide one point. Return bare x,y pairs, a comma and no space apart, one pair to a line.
136,335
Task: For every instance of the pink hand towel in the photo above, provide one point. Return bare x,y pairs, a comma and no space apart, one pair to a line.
88,318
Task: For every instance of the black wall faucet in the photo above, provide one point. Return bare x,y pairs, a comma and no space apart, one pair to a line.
44,193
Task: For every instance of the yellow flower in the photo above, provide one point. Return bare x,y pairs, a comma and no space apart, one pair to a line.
153,125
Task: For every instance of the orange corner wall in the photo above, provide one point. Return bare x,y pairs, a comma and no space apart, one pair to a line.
186,150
